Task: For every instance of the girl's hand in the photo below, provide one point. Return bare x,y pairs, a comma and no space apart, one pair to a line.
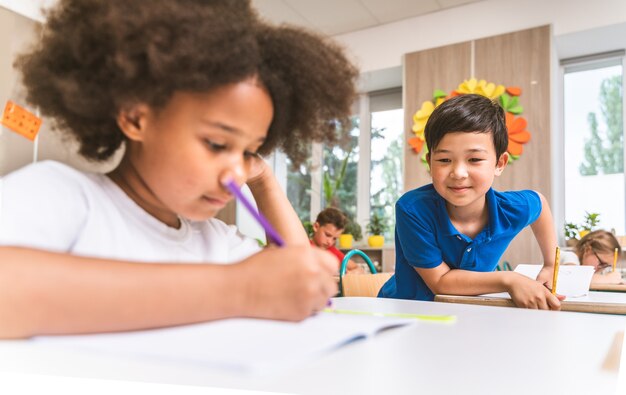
258,171
532,294
288,283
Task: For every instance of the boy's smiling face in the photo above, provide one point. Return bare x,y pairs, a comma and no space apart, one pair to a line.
463,167
176,156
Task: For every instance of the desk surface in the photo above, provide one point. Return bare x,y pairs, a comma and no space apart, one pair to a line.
594,302
487,350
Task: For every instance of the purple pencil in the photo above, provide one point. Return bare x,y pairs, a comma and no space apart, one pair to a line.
269,229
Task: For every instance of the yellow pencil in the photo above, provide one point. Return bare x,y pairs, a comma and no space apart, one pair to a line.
556,270
614,259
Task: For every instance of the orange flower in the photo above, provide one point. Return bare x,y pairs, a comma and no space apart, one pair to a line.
518,135
416,143
514,91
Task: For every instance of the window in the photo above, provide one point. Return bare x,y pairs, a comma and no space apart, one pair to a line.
339,172
594,141
299,188
331,174
386,159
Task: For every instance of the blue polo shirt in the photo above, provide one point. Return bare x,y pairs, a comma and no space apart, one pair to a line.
425,237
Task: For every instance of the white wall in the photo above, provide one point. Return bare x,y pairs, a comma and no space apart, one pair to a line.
382,47
28,8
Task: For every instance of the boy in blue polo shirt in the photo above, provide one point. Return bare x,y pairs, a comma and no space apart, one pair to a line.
451,234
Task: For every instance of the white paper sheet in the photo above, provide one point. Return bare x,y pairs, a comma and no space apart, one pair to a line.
249,346
572,281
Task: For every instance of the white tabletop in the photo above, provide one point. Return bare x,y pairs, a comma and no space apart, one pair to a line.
488,350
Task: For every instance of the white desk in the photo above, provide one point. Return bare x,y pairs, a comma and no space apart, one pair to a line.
489,350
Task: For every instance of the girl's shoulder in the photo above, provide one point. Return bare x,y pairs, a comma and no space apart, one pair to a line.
51,184
47,171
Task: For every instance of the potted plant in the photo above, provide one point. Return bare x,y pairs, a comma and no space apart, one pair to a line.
351,233
376,228
591,221
574,232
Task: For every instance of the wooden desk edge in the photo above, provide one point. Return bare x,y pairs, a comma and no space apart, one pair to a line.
608,287
581,307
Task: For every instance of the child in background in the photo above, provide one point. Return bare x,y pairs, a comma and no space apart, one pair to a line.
195,91
451,234
596,249
329,224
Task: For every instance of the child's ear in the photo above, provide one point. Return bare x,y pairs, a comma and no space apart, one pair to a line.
316,226
502,162
132,121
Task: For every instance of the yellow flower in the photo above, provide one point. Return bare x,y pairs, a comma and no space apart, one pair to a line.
420,118
468,86
482,87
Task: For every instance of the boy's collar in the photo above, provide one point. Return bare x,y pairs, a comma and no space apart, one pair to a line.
450,230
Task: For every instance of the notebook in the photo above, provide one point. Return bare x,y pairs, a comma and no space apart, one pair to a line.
240,346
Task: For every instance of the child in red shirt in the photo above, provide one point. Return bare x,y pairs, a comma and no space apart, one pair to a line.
329,224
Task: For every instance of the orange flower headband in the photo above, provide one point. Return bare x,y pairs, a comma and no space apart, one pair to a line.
508,99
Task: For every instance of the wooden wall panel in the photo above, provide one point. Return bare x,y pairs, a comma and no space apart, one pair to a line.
424,71
515,59
523,59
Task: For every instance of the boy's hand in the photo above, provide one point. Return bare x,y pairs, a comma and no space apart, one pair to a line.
532,294
289,283
545,276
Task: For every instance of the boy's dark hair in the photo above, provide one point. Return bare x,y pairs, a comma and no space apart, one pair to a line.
97,57
333,216
468,113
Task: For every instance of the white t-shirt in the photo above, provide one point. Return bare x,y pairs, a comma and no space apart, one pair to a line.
51,206
569,258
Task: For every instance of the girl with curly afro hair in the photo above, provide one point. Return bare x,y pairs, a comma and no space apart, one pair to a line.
194,92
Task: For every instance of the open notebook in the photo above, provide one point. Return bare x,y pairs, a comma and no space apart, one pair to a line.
240,346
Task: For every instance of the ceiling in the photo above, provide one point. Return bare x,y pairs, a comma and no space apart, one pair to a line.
334,17
330,17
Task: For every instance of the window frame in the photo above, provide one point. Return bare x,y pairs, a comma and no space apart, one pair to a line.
570,65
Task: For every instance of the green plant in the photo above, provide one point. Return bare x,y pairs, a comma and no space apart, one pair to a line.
308,228
591,221
571,230
353,228
331,186
377,225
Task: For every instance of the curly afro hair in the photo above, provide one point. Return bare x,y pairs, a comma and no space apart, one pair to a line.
96,57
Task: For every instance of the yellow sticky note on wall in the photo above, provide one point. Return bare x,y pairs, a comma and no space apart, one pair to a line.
20,120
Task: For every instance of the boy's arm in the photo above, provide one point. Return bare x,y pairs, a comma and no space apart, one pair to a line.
524,291
543,229
608,278
51,293
273,203
353,267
